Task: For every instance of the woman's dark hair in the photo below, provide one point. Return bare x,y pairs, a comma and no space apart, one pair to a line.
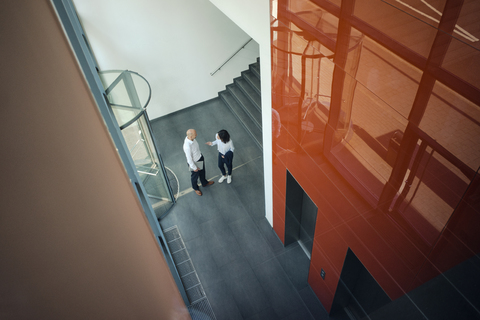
224,136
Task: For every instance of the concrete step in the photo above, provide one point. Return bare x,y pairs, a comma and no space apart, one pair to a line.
252,111
249,92
255,68
252,80
242,116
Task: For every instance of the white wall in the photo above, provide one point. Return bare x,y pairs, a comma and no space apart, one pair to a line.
175,45
253,16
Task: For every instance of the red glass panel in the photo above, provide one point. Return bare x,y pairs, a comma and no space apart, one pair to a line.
399,23
320,288
319,262
384,254
454,122
398,192
388,77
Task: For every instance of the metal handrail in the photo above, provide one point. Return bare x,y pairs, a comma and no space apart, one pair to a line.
233,55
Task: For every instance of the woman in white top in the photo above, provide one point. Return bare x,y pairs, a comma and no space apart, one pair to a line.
225,154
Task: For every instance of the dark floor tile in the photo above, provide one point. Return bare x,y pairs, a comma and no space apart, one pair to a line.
251,242
280,292
250,171
447,303
182,174
296,265
222,302
313,304
270,236
265,314
246,150
251,190
221,241
175,214
465,277
399,309
203,262
167,127
248,294
227,203
200,205
187,221
300,314
234,268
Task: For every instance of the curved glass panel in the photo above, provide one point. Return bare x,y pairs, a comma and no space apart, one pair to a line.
129,94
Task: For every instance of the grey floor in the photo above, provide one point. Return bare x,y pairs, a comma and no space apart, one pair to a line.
244,268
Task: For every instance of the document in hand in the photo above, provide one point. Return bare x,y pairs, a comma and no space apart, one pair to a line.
199,165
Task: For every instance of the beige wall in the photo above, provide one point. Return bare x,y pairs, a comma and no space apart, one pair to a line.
74,243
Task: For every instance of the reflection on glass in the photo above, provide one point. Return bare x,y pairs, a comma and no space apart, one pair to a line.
430,12
432,189
129,94
388,77
455,123
368,149
303,100
463,60
370,121
401,25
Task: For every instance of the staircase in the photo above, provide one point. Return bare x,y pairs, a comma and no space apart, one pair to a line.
243,97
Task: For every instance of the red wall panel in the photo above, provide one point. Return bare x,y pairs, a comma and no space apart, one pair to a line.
350,146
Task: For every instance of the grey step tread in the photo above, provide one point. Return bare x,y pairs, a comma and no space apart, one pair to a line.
242,116
255,69
250,92
245,102
252,80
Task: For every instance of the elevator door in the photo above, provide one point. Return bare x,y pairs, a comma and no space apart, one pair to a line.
300,216
358,294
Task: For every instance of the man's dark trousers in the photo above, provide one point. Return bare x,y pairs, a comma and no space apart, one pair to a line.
199,174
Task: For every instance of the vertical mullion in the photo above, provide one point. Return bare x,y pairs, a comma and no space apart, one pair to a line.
435,59
339,74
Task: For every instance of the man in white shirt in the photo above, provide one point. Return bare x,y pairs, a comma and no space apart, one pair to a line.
195,161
